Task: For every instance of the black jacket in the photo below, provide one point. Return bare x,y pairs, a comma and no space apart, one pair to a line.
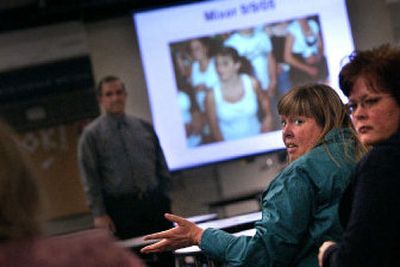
370,211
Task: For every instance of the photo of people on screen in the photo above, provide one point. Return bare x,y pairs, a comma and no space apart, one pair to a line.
304,51
228,83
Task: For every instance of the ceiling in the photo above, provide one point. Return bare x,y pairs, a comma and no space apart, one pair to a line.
19,14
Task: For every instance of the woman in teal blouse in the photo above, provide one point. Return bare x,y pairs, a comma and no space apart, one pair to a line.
299,208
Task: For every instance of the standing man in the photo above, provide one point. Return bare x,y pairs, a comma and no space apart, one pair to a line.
124,172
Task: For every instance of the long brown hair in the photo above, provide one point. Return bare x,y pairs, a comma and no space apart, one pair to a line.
20,197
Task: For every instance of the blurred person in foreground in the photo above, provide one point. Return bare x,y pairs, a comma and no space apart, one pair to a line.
21,218
369,209
299,207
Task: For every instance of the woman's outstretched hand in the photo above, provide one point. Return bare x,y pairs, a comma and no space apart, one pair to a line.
184,234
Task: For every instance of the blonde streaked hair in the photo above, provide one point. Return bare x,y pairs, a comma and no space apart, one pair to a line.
321,102
20,197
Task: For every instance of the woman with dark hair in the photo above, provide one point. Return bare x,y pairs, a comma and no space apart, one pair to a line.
203,73
233,104
191,115
370,207
203,77
299,208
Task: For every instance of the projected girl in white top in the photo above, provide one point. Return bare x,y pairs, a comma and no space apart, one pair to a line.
236,107
238,119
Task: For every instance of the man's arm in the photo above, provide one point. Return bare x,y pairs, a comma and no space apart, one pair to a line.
88,165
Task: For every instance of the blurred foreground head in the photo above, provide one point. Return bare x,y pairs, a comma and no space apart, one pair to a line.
20,201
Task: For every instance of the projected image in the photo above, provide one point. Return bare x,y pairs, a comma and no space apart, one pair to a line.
215,70
229,83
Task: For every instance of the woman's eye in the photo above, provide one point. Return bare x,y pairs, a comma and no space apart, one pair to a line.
352,106
298,122
369,102
283,123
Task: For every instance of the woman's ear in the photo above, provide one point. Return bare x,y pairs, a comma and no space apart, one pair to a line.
238,65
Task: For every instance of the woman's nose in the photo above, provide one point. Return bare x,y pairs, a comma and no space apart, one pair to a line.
359,113
286,130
